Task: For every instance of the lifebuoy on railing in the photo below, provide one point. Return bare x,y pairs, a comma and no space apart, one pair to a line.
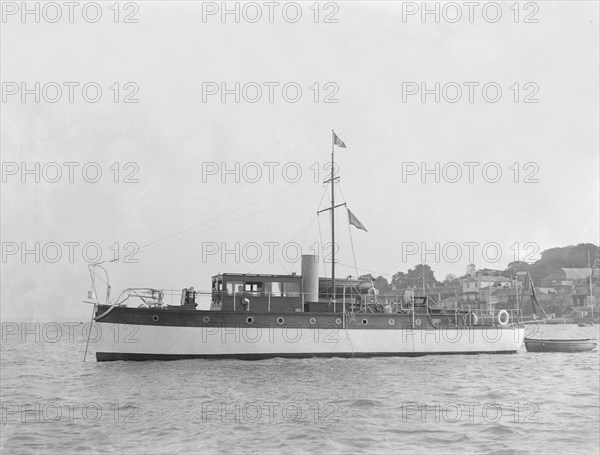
503,317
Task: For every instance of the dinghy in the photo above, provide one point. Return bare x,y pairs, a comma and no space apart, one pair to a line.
560,345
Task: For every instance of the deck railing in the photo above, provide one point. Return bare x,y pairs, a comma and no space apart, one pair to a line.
160,297
364,303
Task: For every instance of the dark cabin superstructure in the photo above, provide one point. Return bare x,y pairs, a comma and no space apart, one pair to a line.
241,292
257,293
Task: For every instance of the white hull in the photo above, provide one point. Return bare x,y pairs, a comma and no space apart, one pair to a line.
140,342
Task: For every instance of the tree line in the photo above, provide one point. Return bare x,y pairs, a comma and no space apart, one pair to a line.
550,262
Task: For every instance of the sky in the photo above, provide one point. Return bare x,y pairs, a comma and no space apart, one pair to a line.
200,175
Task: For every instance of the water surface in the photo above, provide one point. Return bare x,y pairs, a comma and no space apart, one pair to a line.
52,402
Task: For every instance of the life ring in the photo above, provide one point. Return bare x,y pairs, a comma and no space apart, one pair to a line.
418,322
503,317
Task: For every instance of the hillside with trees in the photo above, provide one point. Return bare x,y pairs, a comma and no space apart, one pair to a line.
572,256
551,261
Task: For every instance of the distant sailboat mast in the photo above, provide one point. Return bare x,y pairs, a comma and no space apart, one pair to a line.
533,297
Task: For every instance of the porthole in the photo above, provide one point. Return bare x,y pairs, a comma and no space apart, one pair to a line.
154,318
280,320
338,321
249,320
391,322
365,322
205,319
312,321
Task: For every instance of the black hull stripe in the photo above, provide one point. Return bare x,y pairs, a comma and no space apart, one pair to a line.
115,356
222,319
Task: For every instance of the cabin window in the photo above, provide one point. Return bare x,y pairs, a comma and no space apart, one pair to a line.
291,289
235,287
253,288
273,288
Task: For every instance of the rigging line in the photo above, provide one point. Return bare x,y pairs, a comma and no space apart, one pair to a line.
95,275
87,344
352,248
219,216
321,251
378,207
156,244
366,270
233,220
292,264
279,249
310,241
329,182
93,278
322,197
321,254
349,231
342,192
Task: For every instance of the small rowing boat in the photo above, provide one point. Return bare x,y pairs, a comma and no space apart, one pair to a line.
560,345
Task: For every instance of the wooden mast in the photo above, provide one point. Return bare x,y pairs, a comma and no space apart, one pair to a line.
332,209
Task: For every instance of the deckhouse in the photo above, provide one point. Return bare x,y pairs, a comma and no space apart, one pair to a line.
286,293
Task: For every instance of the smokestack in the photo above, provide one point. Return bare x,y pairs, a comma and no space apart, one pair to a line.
310,277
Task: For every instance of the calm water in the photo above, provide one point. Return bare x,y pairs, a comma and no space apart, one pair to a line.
52,402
